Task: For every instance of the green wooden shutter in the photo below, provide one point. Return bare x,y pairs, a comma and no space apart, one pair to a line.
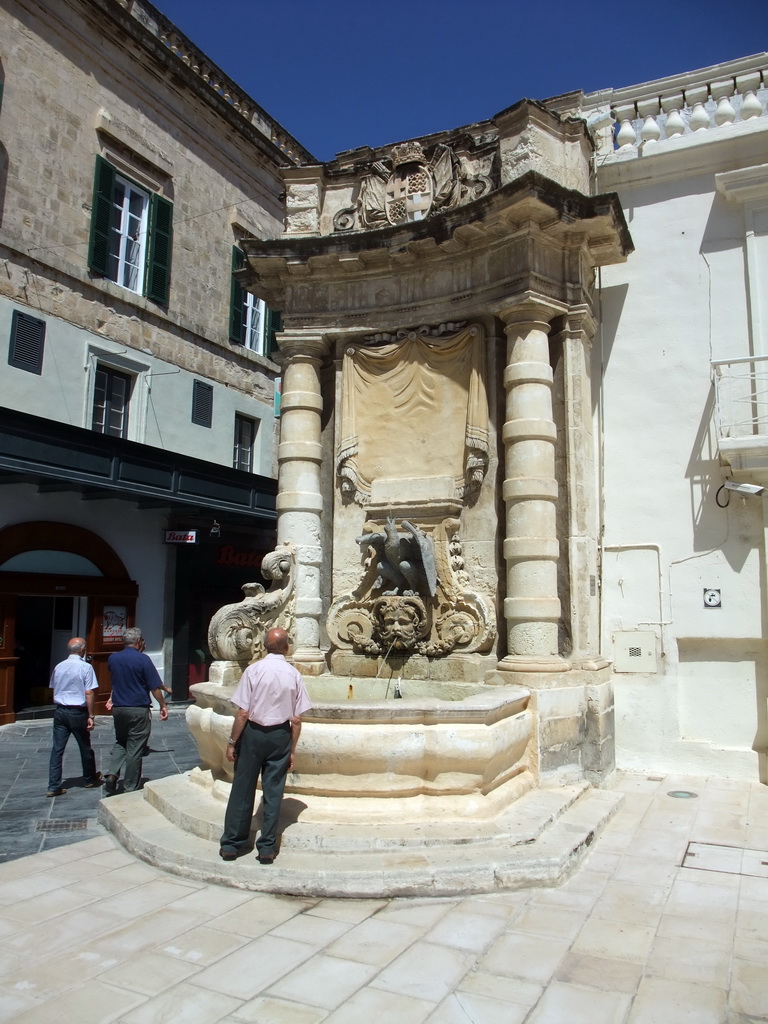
158,273
274,323
237,300
101,217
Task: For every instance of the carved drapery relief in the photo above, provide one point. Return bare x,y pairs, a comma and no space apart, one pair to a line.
410,186
430,620
414,410
236,631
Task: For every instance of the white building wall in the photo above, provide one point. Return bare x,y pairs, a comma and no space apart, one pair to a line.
680,301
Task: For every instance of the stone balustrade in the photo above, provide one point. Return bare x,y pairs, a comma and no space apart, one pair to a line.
699,102
166,32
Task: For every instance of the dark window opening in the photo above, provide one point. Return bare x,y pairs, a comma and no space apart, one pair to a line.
245,436
111,397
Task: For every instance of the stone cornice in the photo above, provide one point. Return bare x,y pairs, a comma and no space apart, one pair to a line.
745,184
531,237
530,197
151,30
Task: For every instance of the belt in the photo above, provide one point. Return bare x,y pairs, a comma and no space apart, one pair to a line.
73,707
269,728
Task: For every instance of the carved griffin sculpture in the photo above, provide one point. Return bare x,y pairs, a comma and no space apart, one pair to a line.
405,559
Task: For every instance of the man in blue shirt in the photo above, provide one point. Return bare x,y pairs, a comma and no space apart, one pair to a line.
134,678
73,683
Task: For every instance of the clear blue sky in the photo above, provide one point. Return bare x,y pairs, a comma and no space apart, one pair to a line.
344,73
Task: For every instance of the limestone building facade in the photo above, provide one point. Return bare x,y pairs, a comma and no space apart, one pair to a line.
137,392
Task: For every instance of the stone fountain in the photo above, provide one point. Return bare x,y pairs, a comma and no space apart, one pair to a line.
437,526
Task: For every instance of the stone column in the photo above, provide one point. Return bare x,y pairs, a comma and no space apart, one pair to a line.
299,501
531,548
576,331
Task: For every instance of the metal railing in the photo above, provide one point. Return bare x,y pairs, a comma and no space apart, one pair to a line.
741,396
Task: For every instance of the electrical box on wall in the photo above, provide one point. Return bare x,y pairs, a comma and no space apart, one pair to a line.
635,651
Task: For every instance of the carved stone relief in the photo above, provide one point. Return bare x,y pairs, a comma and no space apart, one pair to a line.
236,631
411,185
426,608
414,415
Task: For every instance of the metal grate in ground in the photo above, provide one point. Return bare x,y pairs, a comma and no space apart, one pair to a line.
61,824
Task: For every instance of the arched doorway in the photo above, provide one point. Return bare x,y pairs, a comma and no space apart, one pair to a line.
56,580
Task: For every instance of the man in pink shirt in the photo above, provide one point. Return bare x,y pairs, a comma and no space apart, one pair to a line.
270,697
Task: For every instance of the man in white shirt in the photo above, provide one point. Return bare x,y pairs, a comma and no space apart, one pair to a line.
270,697
74,684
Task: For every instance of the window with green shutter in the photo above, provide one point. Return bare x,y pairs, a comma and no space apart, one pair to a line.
160,239
251,322
131,234
237,300
274,324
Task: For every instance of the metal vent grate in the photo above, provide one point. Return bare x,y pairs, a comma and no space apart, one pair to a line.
61,824
635,652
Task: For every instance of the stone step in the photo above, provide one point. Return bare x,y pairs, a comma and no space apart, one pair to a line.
327,868
187,801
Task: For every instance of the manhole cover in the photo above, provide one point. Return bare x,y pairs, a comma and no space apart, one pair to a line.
60,825
682,794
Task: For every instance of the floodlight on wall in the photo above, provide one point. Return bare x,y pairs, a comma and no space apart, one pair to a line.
732,485
744,489
215,530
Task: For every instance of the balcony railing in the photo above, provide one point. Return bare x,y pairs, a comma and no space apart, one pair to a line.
695,103
741,398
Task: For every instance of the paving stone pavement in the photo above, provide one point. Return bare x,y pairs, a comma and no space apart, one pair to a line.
30,822
650,930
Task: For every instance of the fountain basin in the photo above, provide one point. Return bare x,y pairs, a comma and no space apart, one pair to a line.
464,753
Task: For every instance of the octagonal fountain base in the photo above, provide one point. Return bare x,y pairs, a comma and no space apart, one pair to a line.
422,796
175,823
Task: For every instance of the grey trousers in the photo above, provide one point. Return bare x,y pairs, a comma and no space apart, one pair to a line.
132,729
264,750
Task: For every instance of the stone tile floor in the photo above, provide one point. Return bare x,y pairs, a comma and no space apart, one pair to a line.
89,933
30,822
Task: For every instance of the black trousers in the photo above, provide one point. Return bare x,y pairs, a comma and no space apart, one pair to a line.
70,721
265,750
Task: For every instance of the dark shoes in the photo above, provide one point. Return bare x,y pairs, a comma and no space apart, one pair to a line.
227,855
110,785
266,858
56,792
94,782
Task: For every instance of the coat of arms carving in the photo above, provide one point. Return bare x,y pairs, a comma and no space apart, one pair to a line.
411,187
